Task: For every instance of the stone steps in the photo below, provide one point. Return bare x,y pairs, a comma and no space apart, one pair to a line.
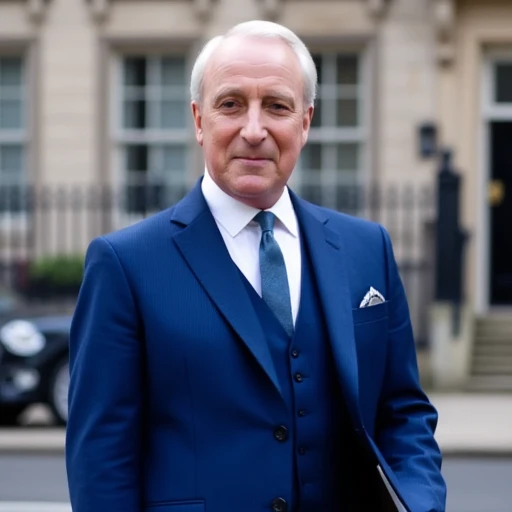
491,364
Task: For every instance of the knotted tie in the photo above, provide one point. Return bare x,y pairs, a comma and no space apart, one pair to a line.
274,280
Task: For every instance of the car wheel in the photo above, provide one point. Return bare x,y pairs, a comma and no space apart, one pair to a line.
9,414
59,388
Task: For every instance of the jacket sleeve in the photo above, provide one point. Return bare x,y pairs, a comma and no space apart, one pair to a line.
103,440
406,420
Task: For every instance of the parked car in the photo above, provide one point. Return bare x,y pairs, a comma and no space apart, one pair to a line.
34,365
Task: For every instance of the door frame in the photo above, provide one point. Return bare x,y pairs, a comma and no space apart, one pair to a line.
490,111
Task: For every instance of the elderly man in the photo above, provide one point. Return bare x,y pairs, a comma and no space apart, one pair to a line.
245,350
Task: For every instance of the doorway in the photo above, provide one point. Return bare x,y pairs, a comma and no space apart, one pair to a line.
500,203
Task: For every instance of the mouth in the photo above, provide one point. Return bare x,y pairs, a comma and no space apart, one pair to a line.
252,160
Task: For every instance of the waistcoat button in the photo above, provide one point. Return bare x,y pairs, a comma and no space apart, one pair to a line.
281,433
279,505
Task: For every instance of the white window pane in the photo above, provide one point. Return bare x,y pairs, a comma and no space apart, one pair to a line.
347,70
311,157
503,82
10,114
135,71
348,157
10,72
134,114
347,113
173,72
174,114
174,159
11,159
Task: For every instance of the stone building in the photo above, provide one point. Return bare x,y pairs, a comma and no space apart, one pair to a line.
95,92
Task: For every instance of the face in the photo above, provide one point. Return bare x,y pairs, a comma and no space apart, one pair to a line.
252,121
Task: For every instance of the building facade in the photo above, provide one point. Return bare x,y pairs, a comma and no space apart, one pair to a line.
95,92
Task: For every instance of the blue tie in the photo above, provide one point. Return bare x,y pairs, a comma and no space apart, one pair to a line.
274,280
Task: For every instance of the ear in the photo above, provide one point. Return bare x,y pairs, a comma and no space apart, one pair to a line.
198,121
306,123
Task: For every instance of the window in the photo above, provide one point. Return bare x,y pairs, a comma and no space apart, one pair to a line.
154,130
12,122
503,82
334,155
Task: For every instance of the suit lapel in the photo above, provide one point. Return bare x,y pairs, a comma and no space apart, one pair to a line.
204,250
331,274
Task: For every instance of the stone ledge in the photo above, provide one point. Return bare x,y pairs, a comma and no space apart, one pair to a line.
41,440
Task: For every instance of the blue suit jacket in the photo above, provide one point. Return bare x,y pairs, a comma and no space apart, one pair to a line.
174,396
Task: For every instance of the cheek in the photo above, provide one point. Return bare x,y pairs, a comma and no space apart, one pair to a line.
221,136
290,143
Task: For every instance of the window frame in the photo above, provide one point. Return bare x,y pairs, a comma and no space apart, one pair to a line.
120,137
18,136
493,109
360,135
17,220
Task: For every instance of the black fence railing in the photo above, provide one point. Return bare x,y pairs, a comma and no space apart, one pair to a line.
44,231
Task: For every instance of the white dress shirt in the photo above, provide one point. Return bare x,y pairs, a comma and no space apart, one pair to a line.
242,235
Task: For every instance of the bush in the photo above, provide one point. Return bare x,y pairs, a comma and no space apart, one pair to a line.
61,270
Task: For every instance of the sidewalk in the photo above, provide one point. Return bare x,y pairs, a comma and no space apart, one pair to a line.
34,507
479,424
469,424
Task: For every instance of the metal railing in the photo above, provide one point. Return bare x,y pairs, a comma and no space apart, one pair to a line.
60,221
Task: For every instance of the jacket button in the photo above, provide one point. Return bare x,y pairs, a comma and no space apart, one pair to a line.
281,434
301,413
302,450
295,353
298,377
279,505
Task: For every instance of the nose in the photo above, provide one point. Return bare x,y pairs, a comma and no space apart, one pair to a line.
254,131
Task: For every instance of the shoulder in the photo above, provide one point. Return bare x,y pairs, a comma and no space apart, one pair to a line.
364,243
144,234
347,225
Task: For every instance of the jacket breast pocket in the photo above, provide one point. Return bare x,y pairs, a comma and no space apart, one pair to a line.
371,339
370,313
176,506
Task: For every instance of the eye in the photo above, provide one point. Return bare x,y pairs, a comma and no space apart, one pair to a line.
229,104
278,106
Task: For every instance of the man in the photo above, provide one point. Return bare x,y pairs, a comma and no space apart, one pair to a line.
246,350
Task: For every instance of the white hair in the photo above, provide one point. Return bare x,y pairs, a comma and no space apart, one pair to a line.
265,30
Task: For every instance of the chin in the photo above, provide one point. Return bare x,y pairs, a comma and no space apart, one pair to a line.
259,194
252,185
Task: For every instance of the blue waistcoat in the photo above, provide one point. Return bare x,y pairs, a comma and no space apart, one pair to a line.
305,369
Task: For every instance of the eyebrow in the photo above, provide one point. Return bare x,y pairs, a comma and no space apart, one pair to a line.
287,98
227,91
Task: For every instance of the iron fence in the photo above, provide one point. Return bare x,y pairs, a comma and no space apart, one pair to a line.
52,222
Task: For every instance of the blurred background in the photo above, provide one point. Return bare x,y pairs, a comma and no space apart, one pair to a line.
412,128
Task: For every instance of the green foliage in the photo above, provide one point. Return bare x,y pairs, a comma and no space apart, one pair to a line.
61,270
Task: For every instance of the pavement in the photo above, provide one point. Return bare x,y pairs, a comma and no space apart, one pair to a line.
469,425
34,507
474,424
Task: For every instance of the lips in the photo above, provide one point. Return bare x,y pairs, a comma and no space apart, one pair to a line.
252,158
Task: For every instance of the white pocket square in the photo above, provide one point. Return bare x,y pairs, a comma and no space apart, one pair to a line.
372,298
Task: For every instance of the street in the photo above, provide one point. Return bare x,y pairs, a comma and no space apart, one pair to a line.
474,484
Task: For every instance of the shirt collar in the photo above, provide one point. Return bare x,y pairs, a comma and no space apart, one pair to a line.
234,216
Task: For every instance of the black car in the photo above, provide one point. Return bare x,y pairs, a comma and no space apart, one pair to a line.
34,364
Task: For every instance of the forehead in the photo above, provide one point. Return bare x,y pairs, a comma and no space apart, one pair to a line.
253,61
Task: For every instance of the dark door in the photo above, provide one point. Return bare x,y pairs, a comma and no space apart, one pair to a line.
500,200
